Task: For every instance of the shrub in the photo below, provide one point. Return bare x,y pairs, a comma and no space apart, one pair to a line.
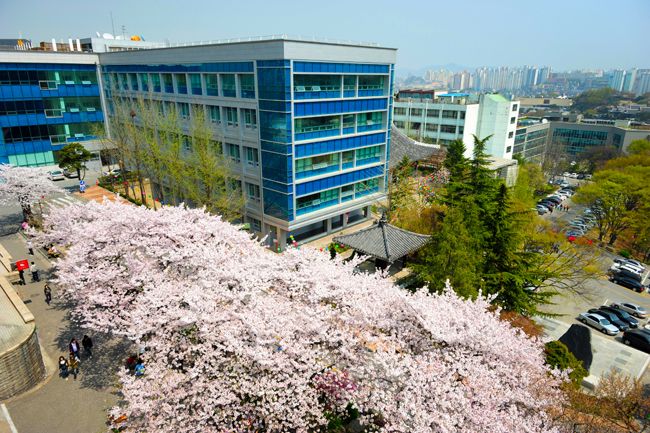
558,355
625,253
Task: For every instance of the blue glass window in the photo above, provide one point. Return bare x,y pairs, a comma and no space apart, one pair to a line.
195,84
212,84
181,83
155,82
168,82
228,87
247,85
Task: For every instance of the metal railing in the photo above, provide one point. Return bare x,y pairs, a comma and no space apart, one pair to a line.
284,37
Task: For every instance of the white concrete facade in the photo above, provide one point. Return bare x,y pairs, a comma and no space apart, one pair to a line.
498,119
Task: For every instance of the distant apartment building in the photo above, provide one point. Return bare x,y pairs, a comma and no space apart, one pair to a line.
47,100
453,116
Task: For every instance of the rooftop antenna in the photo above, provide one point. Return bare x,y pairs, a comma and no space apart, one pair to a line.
123,31
112,23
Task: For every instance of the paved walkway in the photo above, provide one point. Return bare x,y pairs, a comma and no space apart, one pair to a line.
97,193
57,405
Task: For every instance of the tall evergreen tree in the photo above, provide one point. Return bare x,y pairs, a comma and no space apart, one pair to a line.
481,179
458,166
508,272
453,254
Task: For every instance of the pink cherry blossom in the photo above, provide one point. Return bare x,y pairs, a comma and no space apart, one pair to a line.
24,186
240,339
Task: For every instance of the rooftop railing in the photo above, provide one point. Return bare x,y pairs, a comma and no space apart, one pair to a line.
267,38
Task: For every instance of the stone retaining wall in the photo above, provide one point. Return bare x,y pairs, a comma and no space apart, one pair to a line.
22,367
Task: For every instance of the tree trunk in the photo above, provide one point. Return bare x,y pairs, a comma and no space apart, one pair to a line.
28,215
78,173
612,239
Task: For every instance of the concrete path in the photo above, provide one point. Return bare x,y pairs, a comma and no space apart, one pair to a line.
57,405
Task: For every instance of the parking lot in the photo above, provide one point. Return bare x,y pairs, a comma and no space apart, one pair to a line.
609,351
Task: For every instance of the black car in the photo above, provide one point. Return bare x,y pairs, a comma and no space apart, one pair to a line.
623,315
547,203
629,283
637,339
613,318
624,273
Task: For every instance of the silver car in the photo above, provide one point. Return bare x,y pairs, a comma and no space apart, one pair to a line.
598,322
633,309
56,175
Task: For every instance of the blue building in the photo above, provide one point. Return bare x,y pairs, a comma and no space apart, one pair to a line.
307,124
46,101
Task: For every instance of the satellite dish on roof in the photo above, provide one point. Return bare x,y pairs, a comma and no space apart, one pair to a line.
108,36
99,35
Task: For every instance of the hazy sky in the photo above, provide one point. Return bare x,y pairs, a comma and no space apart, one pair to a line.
565,34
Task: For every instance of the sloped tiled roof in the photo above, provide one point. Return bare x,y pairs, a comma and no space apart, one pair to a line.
384,241
401,145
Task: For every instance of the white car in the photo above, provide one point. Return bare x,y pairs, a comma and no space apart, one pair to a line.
633,309
55,175
598,322
630,265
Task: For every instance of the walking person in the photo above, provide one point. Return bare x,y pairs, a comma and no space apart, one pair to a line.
35,277
74,348
48,293
21,275
63,367
30,248
74,366
139,367
87,343
82,186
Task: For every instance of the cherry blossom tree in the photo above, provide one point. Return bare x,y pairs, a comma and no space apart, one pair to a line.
24,185
240,339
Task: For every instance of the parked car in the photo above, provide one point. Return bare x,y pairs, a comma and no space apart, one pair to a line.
631,263
626,273
114,172
541,210
598,322
55,175
580,176
613,318
627,268
629,283
623,315
70,174
578,225
637,339
633,309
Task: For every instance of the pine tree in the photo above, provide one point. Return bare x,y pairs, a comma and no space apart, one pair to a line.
482,182
458,166
508,272
453,254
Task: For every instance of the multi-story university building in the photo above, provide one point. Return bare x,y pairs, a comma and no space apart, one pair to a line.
442,118
46,101
307,124
534,140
